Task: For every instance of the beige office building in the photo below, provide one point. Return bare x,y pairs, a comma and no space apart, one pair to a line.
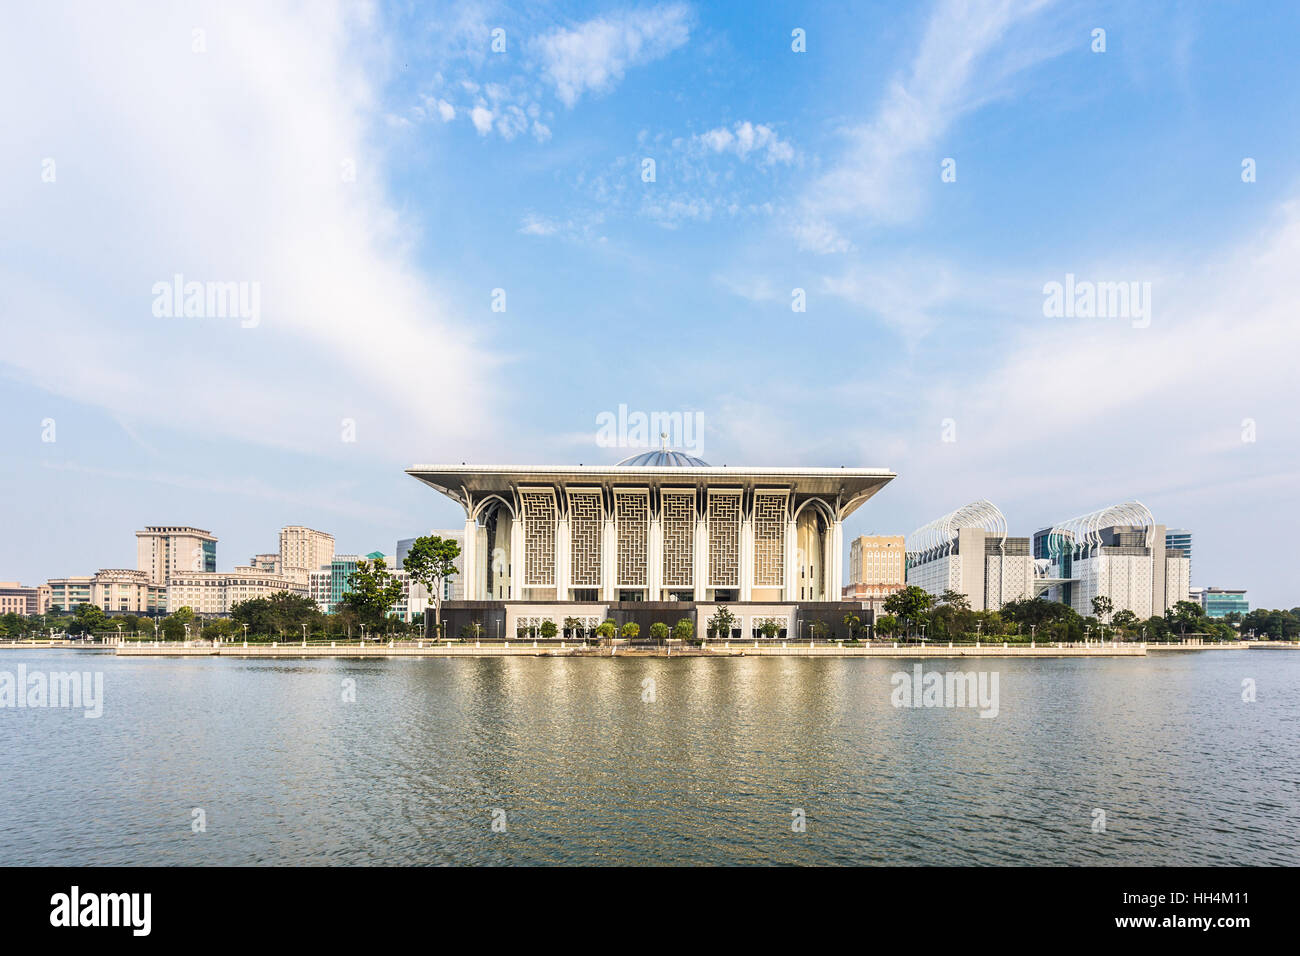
27,601
116,590
216,592
162,550
877,567
303,550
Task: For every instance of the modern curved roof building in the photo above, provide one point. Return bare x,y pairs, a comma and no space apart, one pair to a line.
658,526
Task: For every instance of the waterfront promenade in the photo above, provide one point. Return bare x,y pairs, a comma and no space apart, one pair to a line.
570,649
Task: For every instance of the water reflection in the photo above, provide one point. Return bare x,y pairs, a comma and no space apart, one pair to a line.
707,768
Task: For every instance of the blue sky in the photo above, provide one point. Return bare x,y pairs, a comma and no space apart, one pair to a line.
377,171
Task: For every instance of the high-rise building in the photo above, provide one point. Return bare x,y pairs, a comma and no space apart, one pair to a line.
968,551
1180,539
877,567
1119,553
303,550
162,550
1220,602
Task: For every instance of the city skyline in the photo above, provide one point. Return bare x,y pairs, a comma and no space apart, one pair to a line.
374,178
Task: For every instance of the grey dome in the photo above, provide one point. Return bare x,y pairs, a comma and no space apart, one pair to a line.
663,458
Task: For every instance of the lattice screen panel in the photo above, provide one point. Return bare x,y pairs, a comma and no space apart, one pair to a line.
724,541
679,540
586,517
632,512
769,540
539,538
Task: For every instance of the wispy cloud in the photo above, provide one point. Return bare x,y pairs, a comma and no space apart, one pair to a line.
290,158
958,65
593,56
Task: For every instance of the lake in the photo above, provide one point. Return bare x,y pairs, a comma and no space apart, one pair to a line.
654,761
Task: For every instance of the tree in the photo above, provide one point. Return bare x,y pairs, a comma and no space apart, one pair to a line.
659,631
572,626
87,619
1125,620
769,629
1102,607
1183,615
606,630
372,591
684,630
852,622
281,613
631,630
955,599
910,603
721,623
431,561
820,630
548,629
887,624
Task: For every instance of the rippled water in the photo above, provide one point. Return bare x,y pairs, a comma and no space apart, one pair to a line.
709,772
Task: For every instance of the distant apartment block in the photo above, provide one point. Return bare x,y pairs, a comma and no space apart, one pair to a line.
266,562
968,551
27,601
1220,602
328,585
216,592
162,550
114,590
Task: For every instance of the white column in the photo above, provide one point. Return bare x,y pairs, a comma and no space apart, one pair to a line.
609,562
516,560
791,560
563,573
747,558
837,561
701,558
655,559
469,563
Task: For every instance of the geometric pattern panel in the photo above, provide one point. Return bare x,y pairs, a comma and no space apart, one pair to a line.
724,541
679,540
769,540
539,538
586,516
632,512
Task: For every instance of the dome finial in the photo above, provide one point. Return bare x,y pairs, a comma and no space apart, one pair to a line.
663,439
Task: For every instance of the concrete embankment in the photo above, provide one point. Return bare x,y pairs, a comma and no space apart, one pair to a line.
527,649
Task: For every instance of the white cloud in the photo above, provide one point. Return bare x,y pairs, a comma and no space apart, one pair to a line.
277,180
534,225
881,176
593,56
746,138
446,111
482,118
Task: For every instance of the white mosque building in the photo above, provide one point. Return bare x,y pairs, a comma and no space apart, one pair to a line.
657,536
